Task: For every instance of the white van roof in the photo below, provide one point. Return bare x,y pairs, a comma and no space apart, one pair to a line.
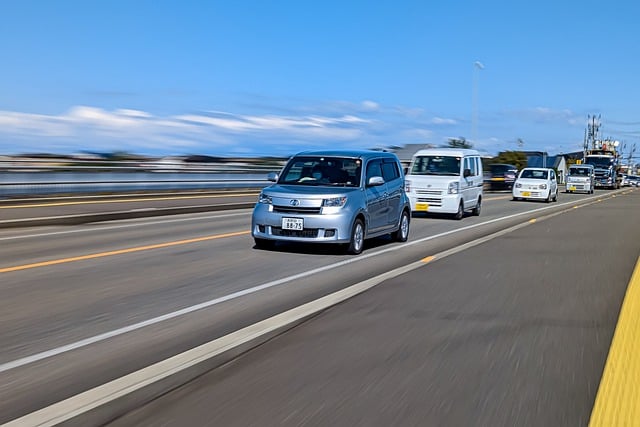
458,152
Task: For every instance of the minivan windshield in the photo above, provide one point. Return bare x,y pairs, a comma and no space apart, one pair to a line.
579,171
334,171
436,165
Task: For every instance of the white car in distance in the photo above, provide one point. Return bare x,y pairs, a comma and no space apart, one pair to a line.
536,184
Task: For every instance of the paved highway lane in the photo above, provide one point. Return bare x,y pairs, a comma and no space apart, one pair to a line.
513,331
72,298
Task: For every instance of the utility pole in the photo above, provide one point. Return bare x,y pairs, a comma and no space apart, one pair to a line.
593,130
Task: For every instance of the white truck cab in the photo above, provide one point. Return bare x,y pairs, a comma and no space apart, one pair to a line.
445,180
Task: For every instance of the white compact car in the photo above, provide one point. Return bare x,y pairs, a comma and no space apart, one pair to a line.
536,184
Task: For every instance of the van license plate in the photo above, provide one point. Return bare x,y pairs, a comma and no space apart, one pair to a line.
572,188
422,207
292,223
526,194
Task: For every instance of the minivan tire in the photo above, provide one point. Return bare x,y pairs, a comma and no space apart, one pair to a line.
357,238
402,233
458,215
478,208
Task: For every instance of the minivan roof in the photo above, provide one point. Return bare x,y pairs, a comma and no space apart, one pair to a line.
458,152
348,153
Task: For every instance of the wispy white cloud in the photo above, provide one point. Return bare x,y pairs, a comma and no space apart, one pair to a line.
443,121
142,130
363,124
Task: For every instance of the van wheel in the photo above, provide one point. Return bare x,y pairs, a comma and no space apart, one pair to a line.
402,234
458,215
478,208
357,238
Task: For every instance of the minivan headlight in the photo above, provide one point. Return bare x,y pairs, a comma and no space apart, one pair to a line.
518,185
453,188
334,202
263,198
407,186
543,186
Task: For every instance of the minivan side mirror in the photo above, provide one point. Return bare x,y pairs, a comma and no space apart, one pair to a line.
466,173
405,170
374,181
273,177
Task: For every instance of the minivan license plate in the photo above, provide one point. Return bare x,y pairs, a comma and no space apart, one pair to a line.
422,206
292,223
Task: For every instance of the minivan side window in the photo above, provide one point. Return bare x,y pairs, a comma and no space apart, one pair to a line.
374,168
470,163
390,170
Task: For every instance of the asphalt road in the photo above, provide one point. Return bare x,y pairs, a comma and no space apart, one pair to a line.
65,286
514,331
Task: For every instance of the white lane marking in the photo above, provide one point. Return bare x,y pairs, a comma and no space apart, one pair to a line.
130,328
138,223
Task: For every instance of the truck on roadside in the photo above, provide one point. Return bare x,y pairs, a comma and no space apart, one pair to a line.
606,163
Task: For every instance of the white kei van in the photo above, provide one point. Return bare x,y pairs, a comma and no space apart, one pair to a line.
445,180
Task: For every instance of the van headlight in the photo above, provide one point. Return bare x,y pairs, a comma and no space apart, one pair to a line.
543,186
263,198
518,185
453,188
334,202
407,186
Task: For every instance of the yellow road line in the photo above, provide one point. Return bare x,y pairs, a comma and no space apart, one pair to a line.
427,259
142,199
532,220
119,252
618,399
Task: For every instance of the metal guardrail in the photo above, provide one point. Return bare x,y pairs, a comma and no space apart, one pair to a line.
44,178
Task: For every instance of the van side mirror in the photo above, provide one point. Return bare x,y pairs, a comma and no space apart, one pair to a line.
466,173
374,181
405,170
273,176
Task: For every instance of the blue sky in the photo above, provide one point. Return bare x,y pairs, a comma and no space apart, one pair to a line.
275,77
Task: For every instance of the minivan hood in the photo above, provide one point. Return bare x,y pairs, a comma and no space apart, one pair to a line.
307,191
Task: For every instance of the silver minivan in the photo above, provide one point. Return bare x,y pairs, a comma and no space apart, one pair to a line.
338,196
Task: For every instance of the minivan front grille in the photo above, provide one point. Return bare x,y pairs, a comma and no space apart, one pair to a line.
296,210
428,192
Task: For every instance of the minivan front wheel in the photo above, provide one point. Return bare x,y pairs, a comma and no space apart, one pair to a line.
357,238
402,234
458,215
478,208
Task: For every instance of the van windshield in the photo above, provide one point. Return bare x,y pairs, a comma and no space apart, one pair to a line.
436,165
579,171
